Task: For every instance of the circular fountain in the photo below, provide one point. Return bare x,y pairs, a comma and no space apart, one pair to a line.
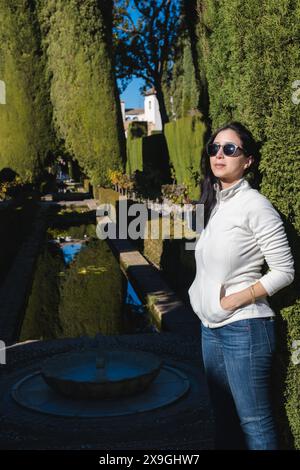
97,383
104,374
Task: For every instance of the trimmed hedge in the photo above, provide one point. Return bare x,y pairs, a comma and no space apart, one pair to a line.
148,157
106,195
181,145
134,155
185,141
252,59
155,156
134,144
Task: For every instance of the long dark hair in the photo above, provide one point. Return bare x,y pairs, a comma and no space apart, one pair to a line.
251,147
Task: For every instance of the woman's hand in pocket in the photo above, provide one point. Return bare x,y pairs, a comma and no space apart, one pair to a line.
235,300
228,302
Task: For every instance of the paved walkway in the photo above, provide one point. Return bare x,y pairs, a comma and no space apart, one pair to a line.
170,313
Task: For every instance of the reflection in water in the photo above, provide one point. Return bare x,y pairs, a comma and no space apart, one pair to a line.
132,297
70,250
79,289
75,291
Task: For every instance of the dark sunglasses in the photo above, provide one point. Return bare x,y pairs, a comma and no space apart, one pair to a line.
229,149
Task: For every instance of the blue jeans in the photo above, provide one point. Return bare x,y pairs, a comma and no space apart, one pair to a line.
238,362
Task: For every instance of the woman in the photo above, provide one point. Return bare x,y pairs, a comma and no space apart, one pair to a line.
229,293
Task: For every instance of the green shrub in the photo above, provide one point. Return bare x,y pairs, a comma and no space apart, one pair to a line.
137,129
106,195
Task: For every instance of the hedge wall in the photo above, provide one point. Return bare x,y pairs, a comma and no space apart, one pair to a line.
185,140
155,155
252,57
134,146
249,52
181,146
87,114
26,134
148,156
134,155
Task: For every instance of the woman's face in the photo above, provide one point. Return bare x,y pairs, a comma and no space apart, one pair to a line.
229,169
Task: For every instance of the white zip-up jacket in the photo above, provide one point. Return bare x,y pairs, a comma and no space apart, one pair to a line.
244,230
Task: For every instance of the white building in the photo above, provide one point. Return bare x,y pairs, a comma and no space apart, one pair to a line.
123,109
150,113
151,110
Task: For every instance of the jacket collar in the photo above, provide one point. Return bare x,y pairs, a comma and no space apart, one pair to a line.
224,194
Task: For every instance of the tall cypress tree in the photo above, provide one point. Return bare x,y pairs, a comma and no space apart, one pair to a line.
25,113
180,85
195,13
77,39
190,93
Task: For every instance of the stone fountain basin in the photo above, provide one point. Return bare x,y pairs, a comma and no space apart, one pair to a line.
119,373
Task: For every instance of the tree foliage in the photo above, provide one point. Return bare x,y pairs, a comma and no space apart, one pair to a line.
145,34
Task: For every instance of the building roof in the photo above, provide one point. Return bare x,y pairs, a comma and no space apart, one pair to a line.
131,111
151,91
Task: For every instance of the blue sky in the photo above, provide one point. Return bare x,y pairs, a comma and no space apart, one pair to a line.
132,96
